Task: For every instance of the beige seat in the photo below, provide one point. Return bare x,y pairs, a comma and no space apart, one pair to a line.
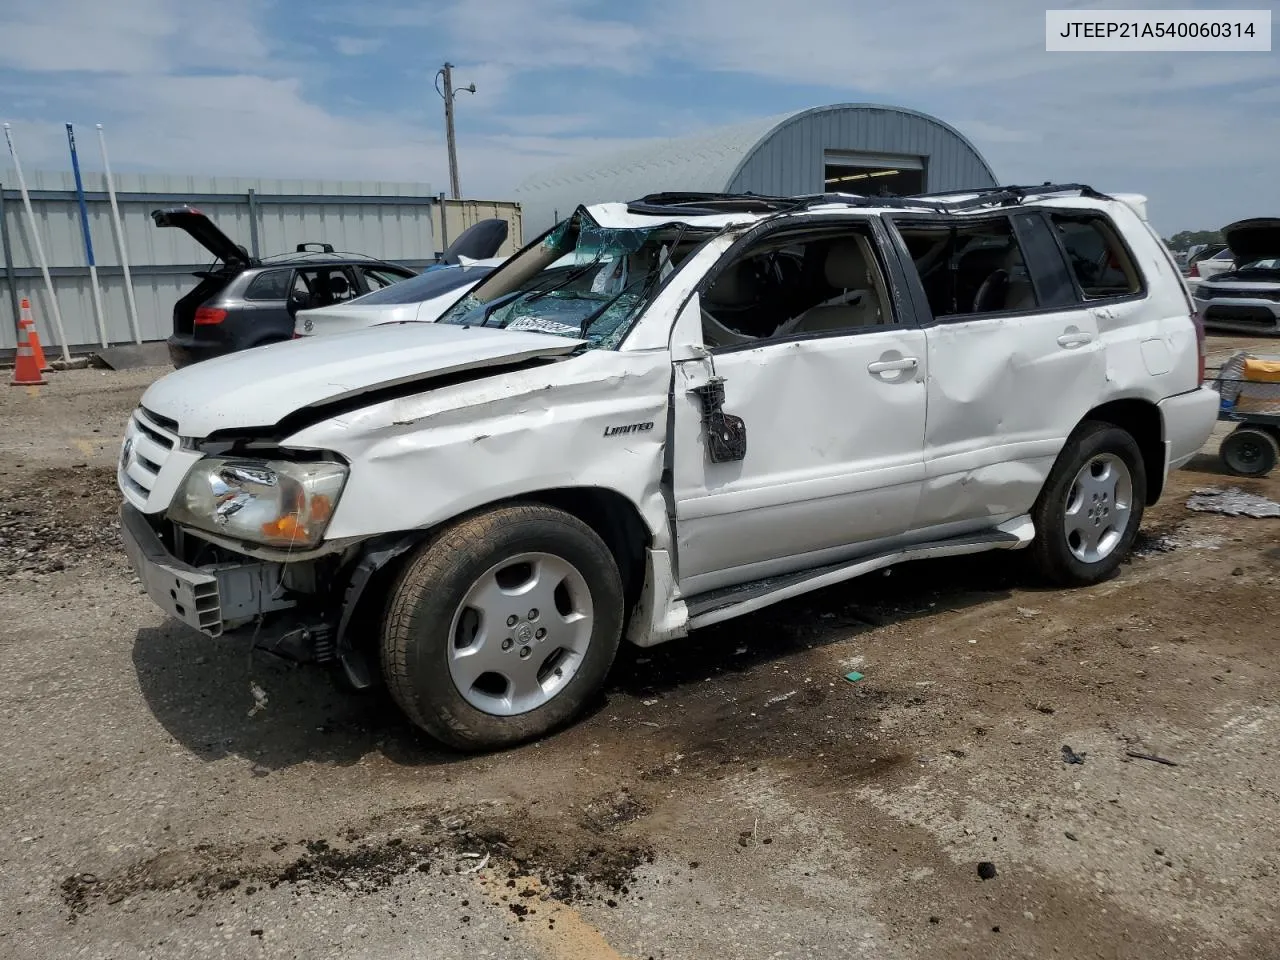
857,304
1008,288
1021,295
733,288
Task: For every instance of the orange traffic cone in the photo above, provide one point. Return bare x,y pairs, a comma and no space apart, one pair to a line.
28,323
26,372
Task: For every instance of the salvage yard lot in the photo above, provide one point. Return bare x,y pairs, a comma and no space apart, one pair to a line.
732,795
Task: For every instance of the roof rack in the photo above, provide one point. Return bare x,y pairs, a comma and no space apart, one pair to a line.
1010,195
327,256
711,204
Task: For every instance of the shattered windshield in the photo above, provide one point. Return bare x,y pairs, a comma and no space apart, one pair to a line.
582,281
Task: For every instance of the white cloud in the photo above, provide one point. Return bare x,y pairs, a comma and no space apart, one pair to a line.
128,36
357,46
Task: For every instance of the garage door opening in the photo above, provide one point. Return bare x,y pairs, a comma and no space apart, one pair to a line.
883,176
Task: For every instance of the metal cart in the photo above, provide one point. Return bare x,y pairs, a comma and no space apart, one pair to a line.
1250,391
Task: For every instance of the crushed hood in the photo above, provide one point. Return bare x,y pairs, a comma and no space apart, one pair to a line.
1254,239
260,387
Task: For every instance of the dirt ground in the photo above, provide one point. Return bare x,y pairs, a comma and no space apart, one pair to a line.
732,795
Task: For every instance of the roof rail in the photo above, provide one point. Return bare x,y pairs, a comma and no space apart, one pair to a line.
1012,195
710,204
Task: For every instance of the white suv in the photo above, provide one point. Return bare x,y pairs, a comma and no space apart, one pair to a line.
664,414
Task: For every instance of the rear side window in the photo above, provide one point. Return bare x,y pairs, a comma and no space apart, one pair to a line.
270,285
1100,262
375,278
1049,270
971,268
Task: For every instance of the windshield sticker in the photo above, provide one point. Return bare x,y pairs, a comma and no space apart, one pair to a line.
543,325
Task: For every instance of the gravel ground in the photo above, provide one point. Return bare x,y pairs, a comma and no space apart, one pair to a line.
731,795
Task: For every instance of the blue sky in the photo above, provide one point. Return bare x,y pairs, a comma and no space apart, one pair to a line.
326,89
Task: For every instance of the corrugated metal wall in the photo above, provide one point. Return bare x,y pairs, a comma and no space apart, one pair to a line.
790,160
394,221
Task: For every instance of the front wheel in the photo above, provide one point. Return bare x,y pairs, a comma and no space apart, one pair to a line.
1089,511
502,627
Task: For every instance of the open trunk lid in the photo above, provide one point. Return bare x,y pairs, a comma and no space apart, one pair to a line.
205,232
1254,239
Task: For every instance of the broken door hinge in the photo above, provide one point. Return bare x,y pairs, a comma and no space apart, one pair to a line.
726,434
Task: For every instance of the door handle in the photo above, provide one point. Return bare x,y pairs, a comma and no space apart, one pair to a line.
889,366
1073,340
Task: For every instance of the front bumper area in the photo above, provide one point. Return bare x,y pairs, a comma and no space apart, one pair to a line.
244,596
212,599
1241,314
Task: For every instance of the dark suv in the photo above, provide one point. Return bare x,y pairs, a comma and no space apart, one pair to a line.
245,302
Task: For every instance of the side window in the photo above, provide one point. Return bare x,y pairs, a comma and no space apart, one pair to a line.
971,268
1100,262
324,286
1049,270
271,285
792,283
376,279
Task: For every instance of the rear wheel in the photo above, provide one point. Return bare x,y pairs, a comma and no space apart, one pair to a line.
502,627
1250,452
1089,511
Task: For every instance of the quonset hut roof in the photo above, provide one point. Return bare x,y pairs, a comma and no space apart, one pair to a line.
781,154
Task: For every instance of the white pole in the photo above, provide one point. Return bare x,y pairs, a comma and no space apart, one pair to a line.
120,245
35,239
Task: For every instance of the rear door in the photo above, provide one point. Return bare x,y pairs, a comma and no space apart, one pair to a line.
1014,359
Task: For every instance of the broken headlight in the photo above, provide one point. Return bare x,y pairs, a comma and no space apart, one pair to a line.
277,503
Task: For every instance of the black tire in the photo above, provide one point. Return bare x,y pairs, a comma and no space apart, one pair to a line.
1051,551
416,637
1250,452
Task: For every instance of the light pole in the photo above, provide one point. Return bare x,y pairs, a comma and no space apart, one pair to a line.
448,93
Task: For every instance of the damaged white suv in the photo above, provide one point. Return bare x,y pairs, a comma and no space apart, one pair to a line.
664,414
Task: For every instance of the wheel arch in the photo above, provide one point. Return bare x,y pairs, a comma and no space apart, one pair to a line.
610,514
1141,419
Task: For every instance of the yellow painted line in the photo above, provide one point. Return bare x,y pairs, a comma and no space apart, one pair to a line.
571,938
85,447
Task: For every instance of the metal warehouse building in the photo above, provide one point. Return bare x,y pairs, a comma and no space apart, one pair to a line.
846,147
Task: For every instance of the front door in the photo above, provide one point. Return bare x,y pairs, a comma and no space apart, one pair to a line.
831,409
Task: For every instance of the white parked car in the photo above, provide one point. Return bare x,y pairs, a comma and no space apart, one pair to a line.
1210,267
664,414
422,299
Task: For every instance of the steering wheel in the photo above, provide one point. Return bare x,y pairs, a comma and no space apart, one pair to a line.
718,335
996,280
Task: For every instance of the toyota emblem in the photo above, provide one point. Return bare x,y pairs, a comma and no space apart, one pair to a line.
124,453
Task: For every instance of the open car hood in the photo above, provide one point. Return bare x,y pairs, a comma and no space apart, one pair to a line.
1254,239
258,388
205,232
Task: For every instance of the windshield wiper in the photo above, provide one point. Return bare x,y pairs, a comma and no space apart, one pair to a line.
650,280
539,294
